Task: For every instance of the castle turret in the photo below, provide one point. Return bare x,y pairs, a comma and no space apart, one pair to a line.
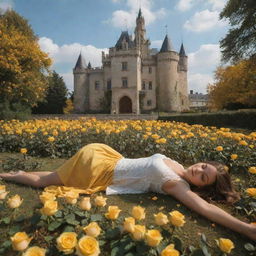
167,63
81,88
183,86
140,31
183,62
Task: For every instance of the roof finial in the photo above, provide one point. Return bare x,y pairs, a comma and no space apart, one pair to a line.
166,29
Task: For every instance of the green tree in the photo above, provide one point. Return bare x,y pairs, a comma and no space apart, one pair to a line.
23,65
56,96
240,41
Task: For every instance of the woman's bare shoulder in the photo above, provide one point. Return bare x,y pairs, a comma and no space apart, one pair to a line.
175,186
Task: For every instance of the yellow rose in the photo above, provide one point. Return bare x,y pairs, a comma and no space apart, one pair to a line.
252,169
161,219
66,242
20,241
15,201
113,212
23,151
85,204
50,208
100,201
3,195
226,245
243,143
153,237
92,229
177,218
46,196
87,246
234,156
138,212
35,250
251,192
129,224
170,251
219,148
51,139
71,197
139,232
2,188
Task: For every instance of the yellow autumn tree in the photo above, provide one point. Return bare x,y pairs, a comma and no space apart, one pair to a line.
234,87
23,65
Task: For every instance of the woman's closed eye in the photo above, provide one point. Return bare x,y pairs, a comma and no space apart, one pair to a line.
204,166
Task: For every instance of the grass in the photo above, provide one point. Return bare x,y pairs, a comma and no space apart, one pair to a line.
189,234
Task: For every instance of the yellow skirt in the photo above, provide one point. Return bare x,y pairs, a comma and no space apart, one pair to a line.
91,168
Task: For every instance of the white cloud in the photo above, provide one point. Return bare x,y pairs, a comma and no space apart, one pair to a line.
203,21
6,5
185,5
69,80
217,4
126,19
67,55
201,65
198,82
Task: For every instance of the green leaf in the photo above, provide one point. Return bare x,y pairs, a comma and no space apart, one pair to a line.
113,233
96,217
68,229
203,238
6,244
54,225
205,250
249,247
35,219
20,218
178,243
197,252
58,214
48,238
84,222
70,216
6,220
13,230
73,222
79,213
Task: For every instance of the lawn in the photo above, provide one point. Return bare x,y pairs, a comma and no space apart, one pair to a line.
133,139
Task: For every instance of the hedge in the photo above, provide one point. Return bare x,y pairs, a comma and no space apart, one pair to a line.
244,119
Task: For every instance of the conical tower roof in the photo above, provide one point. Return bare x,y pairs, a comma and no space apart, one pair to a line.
139,14
124,37
89,65
182,50
167,45
80,64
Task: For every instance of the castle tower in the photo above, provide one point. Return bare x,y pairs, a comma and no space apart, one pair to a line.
183,80
140,30
167,64
81,88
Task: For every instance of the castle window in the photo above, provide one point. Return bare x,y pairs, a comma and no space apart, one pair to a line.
124,82
109,85
150,85
124,66
149,102
149,70
97,85
143,85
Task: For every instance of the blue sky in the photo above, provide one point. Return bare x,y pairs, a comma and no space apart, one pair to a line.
66,27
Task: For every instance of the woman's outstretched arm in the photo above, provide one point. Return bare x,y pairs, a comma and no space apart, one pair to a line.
190,199
34,179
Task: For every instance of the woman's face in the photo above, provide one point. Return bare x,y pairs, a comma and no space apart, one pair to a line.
201,174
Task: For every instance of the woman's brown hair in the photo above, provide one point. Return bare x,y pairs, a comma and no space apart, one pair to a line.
222,189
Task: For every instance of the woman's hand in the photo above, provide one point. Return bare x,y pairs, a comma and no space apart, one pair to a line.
251,232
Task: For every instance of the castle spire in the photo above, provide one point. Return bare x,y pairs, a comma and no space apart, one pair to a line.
182,50
80,64
167,45
89,65
139,14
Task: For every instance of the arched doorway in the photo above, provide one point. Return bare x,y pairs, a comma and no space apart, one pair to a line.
125,105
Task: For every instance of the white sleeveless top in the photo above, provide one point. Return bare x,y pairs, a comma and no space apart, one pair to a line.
141,175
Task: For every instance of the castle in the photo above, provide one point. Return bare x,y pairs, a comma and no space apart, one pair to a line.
133,78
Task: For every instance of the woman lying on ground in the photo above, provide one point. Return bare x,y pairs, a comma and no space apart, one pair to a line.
98,167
